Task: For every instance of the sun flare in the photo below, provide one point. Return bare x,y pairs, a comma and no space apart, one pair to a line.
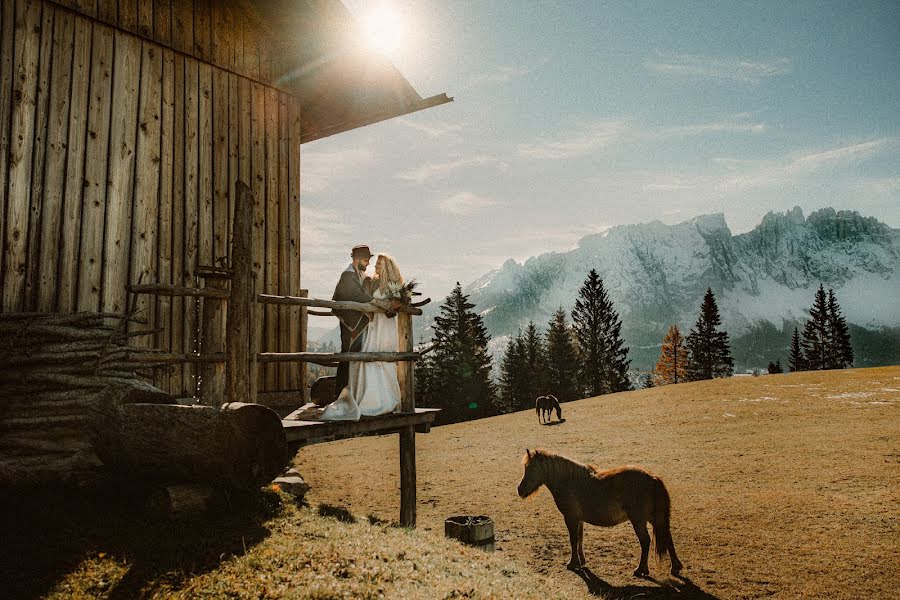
384,29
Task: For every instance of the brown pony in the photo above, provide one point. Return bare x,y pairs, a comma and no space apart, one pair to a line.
584,493
543,407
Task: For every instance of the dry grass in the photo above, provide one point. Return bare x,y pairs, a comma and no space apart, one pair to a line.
784,485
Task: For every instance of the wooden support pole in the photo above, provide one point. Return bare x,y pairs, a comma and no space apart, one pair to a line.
238,323
406,377
212,340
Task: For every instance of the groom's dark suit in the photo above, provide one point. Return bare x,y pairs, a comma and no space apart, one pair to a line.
353,323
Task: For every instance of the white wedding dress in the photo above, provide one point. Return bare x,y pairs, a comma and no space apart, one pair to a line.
374,385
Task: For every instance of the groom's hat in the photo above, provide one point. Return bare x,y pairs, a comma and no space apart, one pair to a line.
362,251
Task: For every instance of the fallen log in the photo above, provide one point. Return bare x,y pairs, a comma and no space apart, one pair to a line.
239,446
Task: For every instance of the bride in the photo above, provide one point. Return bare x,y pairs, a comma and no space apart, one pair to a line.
374,385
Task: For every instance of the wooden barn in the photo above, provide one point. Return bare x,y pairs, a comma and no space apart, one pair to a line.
125,124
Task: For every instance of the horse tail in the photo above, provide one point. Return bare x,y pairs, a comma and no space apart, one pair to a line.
662,512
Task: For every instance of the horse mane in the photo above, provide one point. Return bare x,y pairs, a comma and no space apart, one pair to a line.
561,466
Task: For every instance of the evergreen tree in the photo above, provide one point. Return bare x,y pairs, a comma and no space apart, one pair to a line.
456,376
648,380
513,377
709,353
535,365
672,364
795,359
840,353
604,357
816,334
775,368
562,359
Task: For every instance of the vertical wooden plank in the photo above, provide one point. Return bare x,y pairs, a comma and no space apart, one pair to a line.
251,50
162,22
220,152
272,232
258,176
205,166
220,35
120,179
406,376
212,340
7,38
55,170
233,152
95,171
286,378
108,11
179,343
191,213
239,387
128,15
145,19
245,140
21,150
41,119
183,26
298,337
146,184
77,150
85,7
166,184
202,30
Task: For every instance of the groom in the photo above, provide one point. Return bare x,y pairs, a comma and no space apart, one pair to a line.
354,286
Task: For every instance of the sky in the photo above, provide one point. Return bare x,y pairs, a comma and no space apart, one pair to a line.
572,117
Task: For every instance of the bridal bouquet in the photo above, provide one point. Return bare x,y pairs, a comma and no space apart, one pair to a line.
401,291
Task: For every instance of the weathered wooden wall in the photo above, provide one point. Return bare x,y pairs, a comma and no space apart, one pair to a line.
123,126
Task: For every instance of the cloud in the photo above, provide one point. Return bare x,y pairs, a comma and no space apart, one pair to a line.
596,136
704,67
439,170
323,231
716,127
743,174
322,169
436,130
503,74
465,204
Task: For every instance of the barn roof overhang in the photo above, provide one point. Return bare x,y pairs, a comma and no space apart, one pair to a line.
341,84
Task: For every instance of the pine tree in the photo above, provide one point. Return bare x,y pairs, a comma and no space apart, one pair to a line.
535,365
648,380
795,359
604,357
775,368
513,376
816,335
841,352
672,364
709,353
562,359
456,377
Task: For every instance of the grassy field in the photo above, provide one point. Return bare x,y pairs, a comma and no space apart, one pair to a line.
784,486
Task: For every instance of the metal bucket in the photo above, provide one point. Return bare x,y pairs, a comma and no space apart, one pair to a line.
475,531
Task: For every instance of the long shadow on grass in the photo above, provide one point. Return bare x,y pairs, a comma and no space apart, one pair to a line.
47,533
680,589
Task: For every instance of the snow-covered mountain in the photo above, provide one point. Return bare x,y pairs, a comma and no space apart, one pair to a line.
657,274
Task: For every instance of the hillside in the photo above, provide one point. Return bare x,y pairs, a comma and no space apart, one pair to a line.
782,485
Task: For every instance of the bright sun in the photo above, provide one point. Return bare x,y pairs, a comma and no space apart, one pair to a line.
384,29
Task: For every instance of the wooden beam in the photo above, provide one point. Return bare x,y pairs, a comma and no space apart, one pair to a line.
332,358
341,305
237,324
212,341
302,430
406,377
163,289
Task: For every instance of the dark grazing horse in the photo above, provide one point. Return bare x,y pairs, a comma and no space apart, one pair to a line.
543,407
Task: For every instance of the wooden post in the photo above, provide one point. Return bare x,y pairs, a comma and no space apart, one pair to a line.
212,340
238,323
406,377
300,342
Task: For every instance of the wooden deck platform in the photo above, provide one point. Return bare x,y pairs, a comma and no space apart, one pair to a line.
301,432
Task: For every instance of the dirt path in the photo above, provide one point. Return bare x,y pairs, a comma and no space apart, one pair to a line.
782,486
